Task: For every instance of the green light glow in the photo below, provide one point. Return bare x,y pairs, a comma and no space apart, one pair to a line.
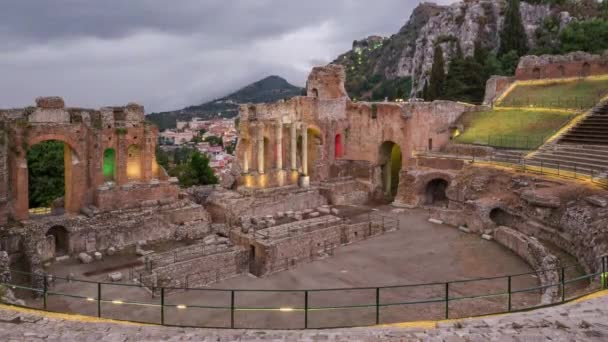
109,164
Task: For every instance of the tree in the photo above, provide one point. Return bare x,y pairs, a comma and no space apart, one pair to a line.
196,172
214,140
437,80
513,35
590,36
466,78
46,173
509,62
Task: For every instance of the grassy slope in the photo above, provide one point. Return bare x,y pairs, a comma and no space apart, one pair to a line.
582,94
517,128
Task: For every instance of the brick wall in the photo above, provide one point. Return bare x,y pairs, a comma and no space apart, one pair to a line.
575,64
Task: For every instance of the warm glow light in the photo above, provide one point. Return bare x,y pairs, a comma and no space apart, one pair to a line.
181,306
286,309
117,302
90,299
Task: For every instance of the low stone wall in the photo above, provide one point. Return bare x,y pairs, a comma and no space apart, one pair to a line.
133,195
537,256
469,150
200,271
345,192
229,206
440,163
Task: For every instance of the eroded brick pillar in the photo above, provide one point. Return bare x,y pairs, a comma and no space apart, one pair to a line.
260,142
304,130
279,145
148,157
121,160
293,147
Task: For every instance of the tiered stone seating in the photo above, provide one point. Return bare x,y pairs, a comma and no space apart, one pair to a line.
582,149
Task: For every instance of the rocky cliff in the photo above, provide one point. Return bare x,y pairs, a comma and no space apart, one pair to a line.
409,53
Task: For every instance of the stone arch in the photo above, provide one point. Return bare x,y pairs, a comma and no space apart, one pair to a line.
435,192
61,237
502,218
586,69
561,71
315,92
75,172
390,161
109,165
536,73
338,146
134,170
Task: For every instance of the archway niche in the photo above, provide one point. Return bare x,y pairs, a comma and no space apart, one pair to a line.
502,218
62,239
134,171
338,146
390,161
49,177
315,92
109,165
561,70
536,73
435,193
245,151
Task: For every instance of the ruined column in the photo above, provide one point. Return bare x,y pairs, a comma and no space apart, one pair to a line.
293,147
304,130
279,145
260,137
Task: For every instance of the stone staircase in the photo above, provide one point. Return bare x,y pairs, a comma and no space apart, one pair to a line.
582,149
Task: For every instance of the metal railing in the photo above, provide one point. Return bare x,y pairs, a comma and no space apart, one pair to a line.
557,102
309,308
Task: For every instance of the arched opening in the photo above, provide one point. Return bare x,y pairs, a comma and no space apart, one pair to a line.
561,71
502,218
338,146
390,162
49,169
269,155
61,237
586,70
435,193
133,163
315,92
109,165
536,73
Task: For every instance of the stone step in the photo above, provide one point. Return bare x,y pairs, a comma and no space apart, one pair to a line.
565,165
590,160
578,153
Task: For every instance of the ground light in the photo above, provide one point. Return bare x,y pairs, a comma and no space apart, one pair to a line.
286,309
181,306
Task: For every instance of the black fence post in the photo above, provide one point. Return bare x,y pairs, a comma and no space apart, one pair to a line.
447,300
162,306
45,290
377,305
563,284
232,309
306,309
98,299
509,291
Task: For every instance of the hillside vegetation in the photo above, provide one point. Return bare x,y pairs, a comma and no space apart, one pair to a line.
576,95
269,89
511,128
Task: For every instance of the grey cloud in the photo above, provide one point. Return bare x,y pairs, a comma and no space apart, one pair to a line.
169,54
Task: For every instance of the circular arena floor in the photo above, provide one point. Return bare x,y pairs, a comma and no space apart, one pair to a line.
419,252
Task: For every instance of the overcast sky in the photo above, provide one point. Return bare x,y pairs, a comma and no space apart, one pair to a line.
169,54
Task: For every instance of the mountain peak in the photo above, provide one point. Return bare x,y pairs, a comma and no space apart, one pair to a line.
269,89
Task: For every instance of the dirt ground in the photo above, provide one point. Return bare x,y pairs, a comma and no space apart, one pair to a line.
418,253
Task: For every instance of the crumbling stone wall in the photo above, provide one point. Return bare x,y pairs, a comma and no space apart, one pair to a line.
87,133
537,256
326,113
574,64
496,86
569,215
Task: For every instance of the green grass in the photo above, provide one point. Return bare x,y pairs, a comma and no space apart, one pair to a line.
580,94
516,128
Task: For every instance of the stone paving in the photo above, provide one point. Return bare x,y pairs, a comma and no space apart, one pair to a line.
586,320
